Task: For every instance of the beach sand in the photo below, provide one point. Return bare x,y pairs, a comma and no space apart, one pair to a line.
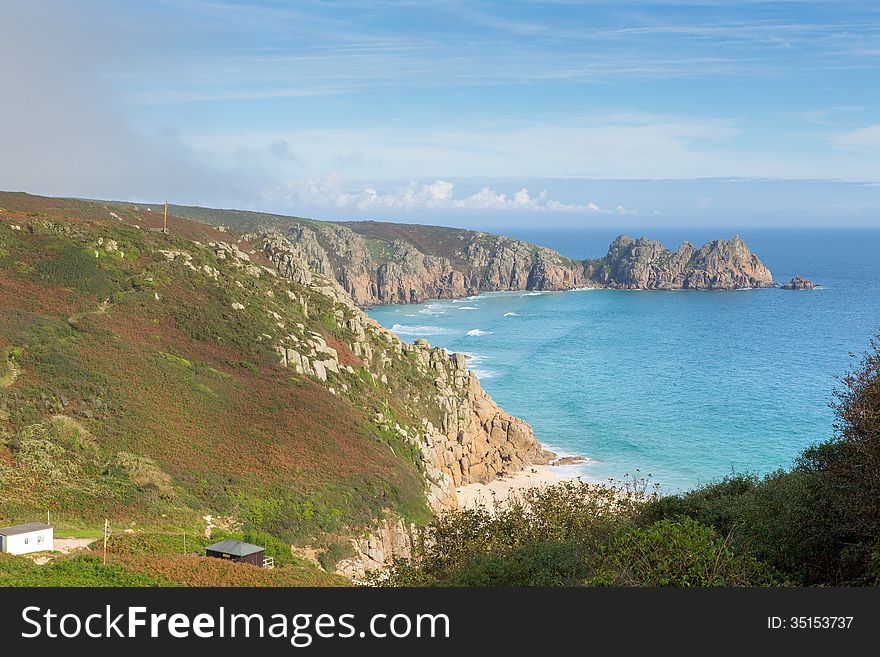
534,476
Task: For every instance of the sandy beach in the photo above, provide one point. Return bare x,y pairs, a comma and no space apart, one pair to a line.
534,476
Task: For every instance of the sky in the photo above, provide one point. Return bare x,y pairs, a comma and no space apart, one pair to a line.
485,113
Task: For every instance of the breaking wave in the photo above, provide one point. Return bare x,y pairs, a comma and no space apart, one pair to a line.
433,309
401,329
478,332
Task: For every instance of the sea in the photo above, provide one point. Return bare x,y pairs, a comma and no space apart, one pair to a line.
680,388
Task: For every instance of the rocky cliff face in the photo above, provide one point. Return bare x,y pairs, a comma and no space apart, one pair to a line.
467,437
645,264
376,272
473,441
396,271
378,262
391,538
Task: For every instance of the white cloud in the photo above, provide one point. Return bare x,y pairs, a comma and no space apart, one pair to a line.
332,192
860,140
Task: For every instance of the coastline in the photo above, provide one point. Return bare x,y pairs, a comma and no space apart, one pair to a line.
472,496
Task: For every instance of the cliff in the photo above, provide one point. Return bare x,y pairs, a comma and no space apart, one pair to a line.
473,439
394,269
379,262
457,264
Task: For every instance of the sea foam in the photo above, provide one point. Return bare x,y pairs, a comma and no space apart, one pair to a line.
402,329
433,309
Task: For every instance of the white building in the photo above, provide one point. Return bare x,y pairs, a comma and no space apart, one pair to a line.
21,539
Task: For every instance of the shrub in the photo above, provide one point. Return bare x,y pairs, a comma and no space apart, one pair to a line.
676,553
80,270
847,473
548,536
144,472
335,552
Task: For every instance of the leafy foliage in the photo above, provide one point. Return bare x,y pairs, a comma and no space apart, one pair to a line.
547,537
677,553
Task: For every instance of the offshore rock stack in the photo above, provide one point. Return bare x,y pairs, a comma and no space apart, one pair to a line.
643,264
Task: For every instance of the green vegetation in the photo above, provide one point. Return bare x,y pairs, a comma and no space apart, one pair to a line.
76,268
77,571
571,534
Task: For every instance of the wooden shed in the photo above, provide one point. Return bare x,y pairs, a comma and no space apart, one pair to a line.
238,551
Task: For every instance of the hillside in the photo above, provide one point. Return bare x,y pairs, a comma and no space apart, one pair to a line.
157,379
379,262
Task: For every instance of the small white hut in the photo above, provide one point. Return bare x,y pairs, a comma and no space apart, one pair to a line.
21,539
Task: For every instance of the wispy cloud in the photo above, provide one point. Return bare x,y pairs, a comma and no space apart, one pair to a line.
614,144
314,49
861,140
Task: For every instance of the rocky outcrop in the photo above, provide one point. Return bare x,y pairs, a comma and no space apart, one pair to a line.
389,540
645,264
476,441
799,283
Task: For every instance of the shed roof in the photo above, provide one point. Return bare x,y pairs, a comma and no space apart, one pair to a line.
24,529
235,547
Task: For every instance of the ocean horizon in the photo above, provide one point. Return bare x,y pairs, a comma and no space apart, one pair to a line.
682,387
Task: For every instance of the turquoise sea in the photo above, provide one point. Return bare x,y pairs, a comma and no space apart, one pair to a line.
687,386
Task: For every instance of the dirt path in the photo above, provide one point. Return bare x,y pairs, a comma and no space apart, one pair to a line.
68,545
101,309
64,546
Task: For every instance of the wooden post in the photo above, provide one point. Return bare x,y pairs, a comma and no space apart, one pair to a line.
165,219
106,536
184,542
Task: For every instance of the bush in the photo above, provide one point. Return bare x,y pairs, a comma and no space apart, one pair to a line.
774,519
846,470
335,552
547,537
80,270
531,564
676,553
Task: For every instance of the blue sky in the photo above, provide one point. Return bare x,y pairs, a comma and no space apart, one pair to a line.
465,112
